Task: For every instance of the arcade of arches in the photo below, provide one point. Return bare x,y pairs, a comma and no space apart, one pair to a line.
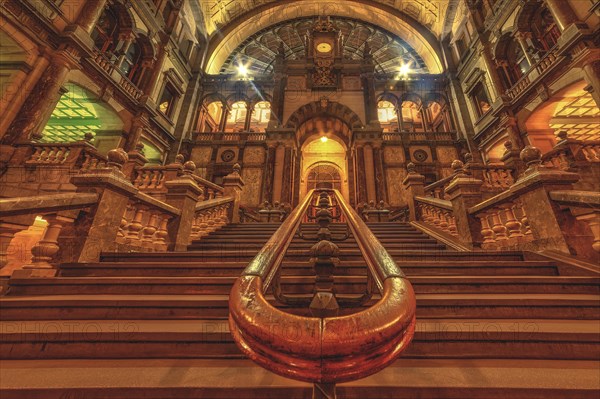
178,117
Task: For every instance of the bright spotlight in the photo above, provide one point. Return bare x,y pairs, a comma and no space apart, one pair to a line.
242,70
324,139
404,69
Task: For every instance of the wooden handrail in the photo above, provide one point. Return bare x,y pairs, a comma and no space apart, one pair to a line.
439,203
330,349
46,203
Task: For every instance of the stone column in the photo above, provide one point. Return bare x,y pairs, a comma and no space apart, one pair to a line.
380,182
562,12
464,192
286,189
183,194
414,185
232,187
350,159
591,73
224,117
90,13
269,173
361,177
278,173
486,55
42,99
248,120
522,40
370,173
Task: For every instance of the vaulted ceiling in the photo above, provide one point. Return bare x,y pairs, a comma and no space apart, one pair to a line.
418,24
389,52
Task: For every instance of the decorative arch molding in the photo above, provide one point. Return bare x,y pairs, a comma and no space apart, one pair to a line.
214,97
501,46
226,40
389,97
525,14
331,109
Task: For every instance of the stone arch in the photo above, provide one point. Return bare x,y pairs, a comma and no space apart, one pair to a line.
410,96
214,97
390,97
330,109
523,18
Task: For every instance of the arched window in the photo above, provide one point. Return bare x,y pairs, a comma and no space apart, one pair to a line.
106,31
513,63
132,62
544,29
411,116
237,117
260,116
388,117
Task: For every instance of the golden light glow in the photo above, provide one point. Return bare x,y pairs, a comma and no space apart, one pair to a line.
405,69
242,70
324,139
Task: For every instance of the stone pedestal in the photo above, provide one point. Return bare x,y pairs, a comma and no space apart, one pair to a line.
464,192
414,185
233,185
183,194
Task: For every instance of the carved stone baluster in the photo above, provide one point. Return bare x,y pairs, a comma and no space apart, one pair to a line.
593,221
47,247
443,224
124,224
452,225
498,226
203,225
512,224
149,230
486,231
135,227
160,241
522,217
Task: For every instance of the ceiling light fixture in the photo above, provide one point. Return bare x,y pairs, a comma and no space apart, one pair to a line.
242,70
324,139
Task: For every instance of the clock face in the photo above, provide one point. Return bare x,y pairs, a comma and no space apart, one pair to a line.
323,47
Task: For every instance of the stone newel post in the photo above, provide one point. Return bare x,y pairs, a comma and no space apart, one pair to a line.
95,233
414,184
183,194
464,192
233,185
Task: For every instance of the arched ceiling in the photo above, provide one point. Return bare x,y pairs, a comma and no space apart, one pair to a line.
419,23
259,51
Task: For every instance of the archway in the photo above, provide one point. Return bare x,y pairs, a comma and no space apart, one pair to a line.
324,160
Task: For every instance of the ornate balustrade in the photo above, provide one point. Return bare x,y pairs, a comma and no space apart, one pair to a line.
585,207
418,136
116,75
495,178
109,213
437,213
437,189
210,216
229,136
534,74
210,189
582,157
81,155
144,224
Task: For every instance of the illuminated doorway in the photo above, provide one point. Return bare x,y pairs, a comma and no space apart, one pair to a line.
324,160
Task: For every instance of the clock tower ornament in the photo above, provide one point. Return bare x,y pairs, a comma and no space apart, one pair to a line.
324,48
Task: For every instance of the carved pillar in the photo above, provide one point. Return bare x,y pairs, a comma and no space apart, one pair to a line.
136,132
278,173
486,55
522,40
248,120
414,184
380,182
269,173
232,187
361,178
370,172
224,117
42,99
163,52
90,13
286,189
562,12
350,159
368,82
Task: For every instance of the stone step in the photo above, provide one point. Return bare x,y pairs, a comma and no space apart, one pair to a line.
424,244
189,269
85,306
300,285
191,339
400,256
242,379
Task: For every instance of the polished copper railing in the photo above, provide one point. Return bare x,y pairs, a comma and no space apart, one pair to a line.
324,350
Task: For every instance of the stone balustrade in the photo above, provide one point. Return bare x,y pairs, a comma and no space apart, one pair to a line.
229,136
210,216
109,213
144,224
80,155
535,73
504,225
437,213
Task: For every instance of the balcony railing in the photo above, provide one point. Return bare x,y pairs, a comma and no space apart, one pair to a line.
537,70
116,75
419,136
229,136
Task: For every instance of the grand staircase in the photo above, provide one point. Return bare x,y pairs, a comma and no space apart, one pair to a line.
154,325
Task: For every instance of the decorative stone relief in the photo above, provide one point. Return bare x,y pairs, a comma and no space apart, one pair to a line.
253,179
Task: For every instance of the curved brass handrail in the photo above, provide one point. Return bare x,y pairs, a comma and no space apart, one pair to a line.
322,350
